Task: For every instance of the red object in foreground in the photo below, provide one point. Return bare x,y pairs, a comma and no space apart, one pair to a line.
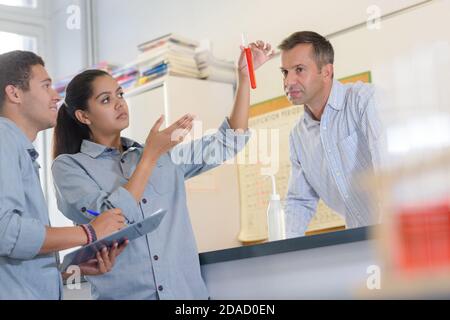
251,70
424,237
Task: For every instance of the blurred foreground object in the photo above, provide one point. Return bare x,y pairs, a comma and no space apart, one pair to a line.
411,191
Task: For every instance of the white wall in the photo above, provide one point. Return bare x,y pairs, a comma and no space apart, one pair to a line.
68,46
409,57
122,26
399,37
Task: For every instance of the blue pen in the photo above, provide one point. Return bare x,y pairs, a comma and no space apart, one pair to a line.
95,214
110,206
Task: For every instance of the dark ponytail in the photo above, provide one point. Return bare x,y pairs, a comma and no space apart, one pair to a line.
69,133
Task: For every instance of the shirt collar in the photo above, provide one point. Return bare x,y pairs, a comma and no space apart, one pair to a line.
309,120
337,96
22,138
95,150
335,100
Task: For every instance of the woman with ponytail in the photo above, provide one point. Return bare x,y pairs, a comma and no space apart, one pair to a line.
95,168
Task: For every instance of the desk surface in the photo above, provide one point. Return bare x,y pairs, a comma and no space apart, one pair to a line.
288,245
297,272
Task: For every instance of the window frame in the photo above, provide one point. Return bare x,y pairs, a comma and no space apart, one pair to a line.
30,22
37,12
26,30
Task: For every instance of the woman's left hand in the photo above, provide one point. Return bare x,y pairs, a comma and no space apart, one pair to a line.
104,261
261,52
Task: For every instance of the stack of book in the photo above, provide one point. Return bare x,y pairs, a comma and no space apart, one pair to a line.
215,69
169,54
175,55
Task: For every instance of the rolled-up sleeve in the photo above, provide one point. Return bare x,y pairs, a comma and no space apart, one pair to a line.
30,238
76,191
20,237
210,151
301,199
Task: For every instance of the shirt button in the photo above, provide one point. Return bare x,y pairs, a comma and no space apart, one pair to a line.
156,257
123,161
144,201
160,288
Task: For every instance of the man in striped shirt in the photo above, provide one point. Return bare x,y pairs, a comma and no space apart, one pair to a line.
337,138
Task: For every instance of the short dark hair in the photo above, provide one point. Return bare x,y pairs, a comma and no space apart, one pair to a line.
323,50
15,69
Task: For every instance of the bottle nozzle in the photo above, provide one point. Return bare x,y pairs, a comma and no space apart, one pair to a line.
274,195
274,185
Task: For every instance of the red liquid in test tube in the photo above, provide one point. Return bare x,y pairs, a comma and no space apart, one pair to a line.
249,58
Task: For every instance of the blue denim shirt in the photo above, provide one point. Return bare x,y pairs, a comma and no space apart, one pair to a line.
23,216
165,263
328,157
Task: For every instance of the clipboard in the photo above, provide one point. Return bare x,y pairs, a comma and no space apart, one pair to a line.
131,232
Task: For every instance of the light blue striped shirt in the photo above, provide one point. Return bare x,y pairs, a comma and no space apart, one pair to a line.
327,158
165,263
24,274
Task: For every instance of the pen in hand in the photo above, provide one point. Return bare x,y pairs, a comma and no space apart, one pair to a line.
95,214
109,206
